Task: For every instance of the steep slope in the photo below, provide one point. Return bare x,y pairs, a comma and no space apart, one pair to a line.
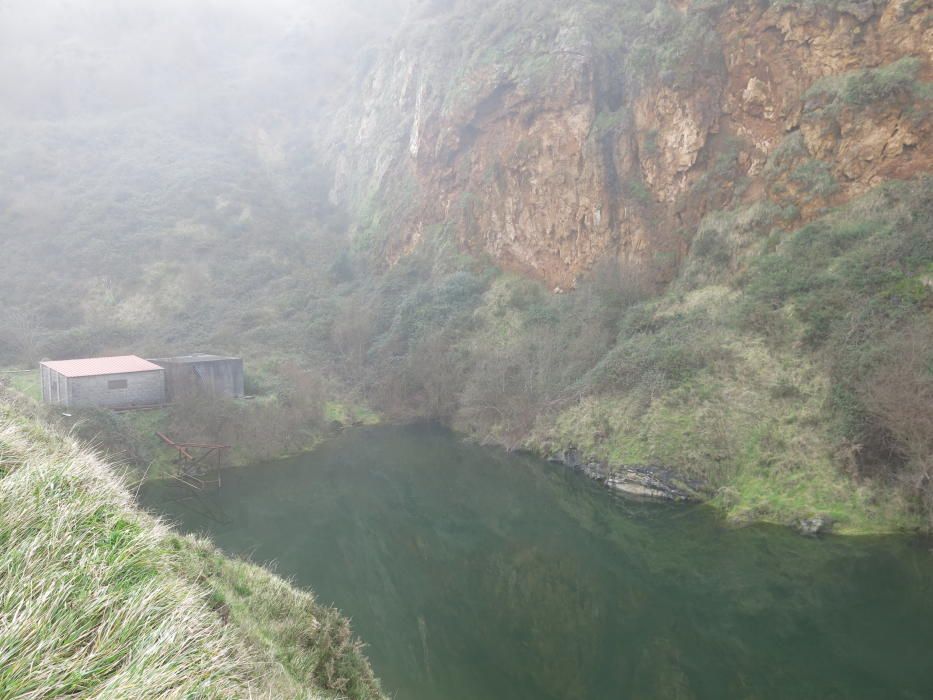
98,599
737,192
730,158
551,135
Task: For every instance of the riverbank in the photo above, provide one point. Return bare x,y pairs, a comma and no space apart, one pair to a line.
109,601
772,466
474,572
760,465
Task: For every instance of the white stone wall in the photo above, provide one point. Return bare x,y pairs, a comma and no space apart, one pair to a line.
45,376
54,386
142,389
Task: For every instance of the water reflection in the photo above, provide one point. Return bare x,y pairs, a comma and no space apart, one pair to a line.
474,574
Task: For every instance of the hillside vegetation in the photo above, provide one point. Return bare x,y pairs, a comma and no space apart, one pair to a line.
736,220
100,600
791,371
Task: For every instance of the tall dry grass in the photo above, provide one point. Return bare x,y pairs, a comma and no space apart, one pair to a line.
91,604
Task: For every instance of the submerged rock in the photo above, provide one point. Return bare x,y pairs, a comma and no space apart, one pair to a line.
816,525
644,481
654,482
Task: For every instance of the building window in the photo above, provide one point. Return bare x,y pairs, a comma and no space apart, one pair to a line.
116,384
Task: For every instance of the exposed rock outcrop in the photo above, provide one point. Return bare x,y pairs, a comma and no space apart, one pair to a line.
547,150
652,482
815,525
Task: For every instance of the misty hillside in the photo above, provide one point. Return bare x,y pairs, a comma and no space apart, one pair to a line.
695,236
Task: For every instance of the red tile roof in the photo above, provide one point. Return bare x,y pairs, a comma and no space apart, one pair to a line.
96,366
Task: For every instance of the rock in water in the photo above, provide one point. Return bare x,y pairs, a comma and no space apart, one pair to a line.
643,481
816,525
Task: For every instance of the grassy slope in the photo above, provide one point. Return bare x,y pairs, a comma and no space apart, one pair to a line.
768,402
755,427
98,599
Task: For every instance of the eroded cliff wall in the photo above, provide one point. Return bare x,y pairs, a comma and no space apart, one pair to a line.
551,136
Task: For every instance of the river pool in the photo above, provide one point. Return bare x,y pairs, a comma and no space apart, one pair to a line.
473,574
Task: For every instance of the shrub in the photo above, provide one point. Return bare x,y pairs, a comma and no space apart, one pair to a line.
666,351
871,86
650,143
850,287
868,86
635,188
723,238
712,246
791,148
815,177
432,305
899,396
526,293
535,372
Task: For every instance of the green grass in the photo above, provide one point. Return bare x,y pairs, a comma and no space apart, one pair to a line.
27,383
350,413
100,600
311,643
89,606
763,459
760,381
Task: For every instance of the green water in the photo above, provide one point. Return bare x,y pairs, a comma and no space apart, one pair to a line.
477,575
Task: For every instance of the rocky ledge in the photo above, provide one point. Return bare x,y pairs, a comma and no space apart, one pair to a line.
645,481
815,525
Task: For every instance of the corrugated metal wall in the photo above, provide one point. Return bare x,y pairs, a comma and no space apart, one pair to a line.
222,377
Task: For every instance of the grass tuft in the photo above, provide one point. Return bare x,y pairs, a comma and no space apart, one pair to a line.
100,600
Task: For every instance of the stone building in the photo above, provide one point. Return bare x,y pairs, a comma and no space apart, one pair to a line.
214,375
103,382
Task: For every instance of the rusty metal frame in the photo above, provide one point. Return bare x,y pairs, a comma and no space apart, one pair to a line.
184,447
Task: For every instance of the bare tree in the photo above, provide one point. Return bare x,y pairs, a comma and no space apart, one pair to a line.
900,397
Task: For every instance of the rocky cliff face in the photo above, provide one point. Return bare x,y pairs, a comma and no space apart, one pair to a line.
552,137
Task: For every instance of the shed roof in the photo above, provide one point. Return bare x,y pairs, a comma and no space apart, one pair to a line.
195,357
96,366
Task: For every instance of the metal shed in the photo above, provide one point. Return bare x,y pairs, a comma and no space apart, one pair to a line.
216,375
127,381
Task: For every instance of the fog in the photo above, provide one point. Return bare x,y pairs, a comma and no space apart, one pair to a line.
62,59
166,126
